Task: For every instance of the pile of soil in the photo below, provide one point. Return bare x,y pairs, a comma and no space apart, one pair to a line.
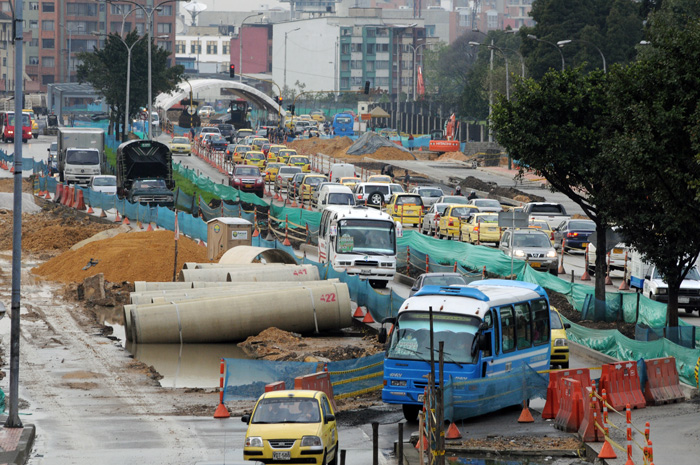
136,256
470,182
8,185
560,302
448,156
338,146
278,345
46,232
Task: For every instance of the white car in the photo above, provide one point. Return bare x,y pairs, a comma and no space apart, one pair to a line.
428,194
107,184
486,205
206,111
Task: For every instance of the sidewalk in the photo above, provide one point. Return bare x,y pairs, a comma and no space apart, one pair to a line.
16,443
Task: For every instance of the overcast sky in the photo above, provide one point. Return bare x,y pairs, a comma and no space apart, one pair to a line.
242,5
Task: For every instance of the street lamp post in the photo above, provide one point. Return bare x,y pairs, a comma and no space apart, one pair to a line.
240,46
415,84
561,44
534,37
491,48
284,84
70,43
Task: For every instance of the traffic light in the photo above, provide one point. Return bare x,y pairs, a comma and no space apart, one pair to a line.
289,108
279,101
366,87
232,70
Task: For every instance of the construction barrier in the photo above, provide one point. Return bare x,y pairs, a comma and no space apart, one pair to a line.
570,413
662,385
621,381
320,381
551,406
591,415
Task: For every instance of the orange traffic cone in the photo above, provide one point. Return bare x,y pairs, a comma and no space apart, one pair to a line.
150,227
607,451
117,218
368,318
90,210
103,214
423,440
126,221
358,313
453,432
525,415
221,411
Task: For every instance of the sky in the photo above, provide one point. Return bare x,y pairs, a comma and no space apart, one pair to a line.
242,5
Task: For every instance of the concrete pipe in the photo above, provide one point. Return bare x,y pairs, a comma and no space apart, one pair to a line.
204,266
143,286
253,273
228,319
204,284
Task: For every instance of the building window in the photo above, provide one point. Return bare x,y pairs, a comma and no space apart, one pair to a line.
33,24
371,32
140,28
165,28
81,9
119,9
212,47
356,64
356,48
34,6
195,47
346,31
48,62
47,79
382,64
166,45
33,60
382,47
344,83
165,10
225,47
345,49
180,46
34,42
356,81
48,43
345,65
369,66
370,49
48,7
139,13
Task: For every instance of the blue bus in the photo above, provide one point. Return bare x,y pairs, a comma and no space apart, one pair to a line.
489,327
343,124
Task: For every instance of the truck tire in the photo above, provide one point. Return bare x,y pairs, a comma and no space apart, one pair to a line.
36,135
410,412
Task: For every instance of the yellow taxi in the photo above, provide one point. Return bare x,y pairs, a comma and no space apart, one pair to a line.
301,161
35,125
406,208
451,221
181,145
560,343
258,143
380,178
309,184
349,181
292,426
239,153
481,227
271,170
273,153
255,158
241,133
318,116
544,227
284,154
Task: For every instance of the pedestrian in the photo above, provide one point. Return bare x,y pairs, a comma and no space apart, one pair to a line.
472,195
407,179
458,190
192,133
410,142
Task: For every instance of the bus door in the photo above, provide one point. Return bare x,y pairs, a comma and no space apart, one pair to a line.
487,344
324,239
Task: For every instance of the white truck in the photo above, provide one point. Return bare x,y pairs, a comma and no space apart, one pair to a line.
645,276
552,213
80,154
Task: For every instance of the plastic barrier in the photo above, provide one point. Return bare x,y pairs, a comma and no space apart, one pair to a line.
592,414
662,385
570,412
320,381
278,386
621,381
551,406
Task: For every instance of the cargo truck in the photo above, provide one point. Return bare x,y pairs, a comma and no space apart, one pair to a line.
145,172
80,154
644,276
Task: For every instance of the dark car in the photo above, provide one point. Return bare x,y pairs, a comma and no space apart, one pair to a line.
151,191
247,179
575,233
218,143
227,130
228,154
293,185
437,279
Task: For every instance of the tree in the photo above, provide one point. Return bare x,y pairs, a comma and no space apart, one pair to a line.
653,144
555,127
105,69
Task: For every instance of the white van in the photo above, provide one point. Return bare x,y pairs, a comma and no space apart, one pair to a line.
335,194
360,241
341,170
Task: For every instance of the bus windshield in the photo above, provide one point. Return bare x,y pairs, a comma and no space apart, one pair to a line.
411,338
366,237
26,121
83,157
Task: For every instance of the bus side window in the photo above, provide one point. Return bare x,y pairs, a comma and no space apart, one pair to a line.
540,316
507,329
523,325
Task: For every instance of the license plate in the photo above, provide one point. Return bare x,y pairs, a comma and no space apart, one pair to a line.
365,272
683,300
421,397
284,455
617,250
535,264
584,245
247,185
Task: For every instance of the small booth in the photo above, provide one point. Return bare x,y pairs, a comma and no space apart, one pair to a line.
225,233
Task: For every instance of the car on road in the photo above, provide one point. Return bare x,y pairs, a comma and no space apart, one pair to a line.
429,194
284,154
560,343
181,145
208,130
450,223
227,130
53,158
619,257
481,227
258,143
406,208
375,194
271,171
431,218
294,426
542,226
574,233
486,205
453,199
217,143
293,185
273,154
349,181
206,111
380,178
317,191
530,245
318,116
437,279
308,185
255,158
284,174
105,183
301,161
247,179
242,133
239,153
334,194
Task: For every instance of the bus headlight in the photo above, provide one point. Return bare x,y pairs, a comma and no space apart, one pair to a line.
398,382
560,342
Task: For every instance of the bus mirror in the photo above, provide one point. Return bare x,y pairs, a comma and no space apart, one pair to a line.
333,230
484,342
567,325
381,337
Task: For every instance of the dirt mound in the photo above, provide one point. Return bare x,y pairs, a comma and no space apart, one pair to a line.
8,185
332,147
136,256
47,233
561,303
470,182
453,156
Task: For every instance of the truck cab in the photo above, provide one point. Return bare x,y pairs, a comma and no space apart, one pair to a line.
81,164
646,276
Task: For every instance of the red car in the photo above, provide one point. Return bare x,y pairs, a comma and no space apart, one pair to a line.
247,179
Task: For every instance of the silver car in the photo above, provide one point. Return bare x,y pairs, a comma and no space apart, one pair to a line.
431,219
487,205
531,245
428,194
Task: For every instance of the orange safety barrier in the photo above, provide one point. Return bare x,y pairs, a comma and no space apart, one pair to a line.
592,414
221,410
570,411
80,202
621,381
320,381
278,386
662,385
551,406
59,193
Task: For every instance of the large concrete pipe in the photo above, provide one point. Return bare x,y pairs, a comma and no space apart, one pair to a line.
255,273
227,319
143,286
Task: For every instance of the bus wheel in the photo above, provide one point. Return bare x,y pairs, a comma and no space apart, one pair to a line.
410,412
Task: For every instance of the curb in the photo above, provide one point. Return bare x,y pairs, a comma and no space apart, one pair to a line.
20,454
